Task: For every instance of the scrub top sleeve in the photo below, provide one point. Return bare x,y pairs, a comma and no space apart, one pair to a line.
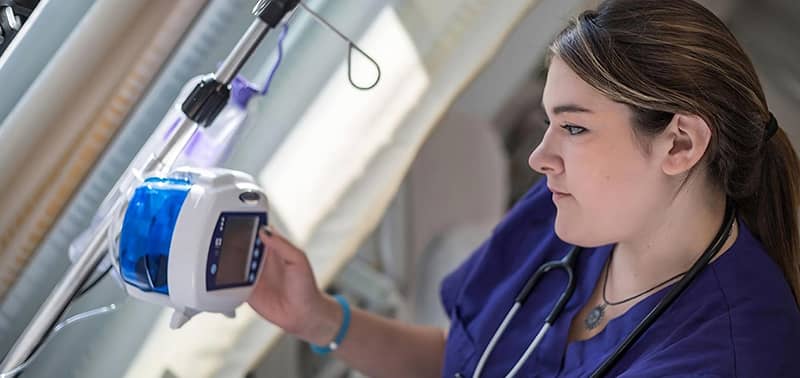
451,284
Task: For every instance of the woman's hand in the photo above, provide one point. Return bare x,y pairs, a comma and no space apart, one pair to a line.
286,293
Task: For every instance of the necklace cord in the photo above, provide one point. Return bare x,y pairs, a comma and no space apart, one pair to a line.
669,298
605,282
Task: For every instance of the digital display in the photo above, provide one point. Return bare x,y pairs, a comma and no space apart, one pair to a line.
237,243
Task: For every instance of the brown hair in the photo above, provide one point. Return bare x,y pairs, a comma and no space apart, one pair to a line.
666,57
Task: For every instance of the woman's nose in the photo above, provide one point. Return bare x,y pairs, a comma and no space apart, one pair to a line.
544,159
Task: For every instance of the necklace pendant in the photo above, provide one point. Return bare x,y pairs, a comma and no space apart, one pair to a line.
595,316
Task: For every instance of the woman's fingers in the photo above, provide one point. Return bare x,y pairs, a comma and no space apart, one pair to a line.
277,244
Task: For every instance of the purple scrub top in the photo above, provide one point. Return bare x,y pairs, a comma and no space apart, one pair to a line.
737,319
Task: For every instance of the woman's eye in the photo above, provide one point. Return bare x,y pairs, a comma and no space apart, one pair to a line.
573,130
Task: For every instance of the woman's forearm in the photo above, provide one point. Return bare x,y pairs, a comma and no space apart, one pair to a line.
382,347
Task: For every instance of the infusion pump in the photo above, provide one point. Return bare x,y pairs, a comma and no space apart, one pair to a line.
190,241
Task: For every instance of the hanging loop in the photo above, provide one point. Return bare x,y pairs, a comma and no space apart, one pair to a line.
351,46
350,68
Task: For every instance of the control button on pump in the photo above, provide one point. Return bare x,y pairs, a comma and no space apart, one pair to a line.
249,198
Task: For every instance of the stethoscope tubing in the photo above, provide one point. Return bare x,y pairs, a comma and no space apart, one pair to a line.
485,356
567,264
672,295
529,351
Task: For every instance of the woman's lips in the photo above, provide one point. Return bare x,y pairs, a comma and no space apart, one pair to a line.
559,195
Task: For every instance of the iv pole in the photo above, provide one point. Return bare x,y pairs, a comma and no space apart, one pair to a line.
200,108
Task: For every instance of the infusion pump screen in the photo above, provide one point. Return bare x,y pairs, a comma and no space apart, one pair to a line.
234,255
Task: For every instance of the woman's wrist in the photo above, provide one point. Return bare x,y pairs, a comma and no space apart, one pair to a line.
324,323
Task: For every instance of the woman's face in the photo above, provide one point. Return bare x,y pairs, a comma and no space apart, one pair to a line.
604,185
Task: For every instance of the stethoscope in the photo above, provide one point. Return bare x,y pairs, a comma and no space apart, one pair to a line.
567,263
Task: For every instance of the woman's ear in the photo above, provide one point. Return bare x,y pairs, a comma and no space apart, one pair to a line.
685,139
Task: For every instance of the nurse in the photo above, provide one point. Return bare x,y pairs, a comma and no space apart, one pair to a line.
656,118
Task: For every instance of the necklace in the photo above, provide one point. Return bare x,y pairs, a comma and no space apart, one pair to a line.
596,315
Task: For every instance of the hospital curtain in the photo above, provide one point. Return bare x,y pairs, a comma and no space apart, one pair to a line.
67,114
105,345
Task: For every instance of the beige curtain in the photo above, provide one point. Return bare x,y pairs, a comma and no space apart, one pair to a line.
57,131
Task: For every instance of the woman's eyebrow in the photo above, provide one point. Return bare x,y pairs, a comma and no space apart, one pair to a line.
568,108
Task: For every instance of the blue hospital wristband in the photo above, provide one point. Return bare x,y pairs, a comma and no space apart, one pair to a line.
333,345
